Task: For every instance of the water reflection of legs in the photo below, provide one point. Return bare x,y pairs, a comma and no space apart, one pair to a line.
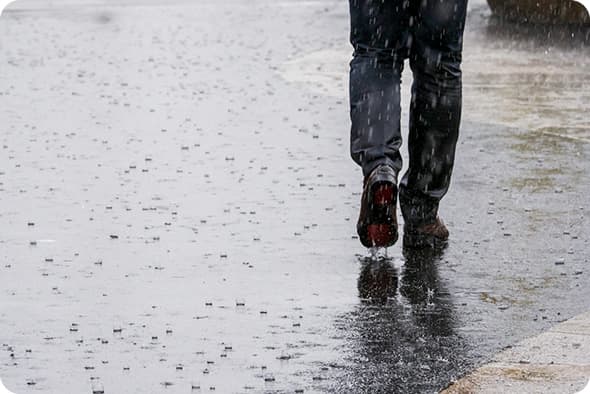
421,286
400,335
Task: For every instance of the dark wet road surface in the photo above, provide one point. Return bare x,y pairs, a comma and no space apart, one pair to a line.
178,205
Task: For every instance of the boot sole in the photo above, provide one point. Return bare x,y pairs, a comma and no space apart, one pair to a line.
420,241
381,228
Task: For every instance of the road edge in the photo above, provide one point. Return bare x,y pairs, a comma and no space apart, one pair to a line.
556,361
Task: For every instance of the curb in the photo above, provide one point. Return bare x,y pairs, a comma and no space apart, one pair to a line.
557,361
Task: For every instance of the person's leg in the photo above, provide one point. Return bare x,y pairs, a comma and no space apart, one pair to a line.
435,113
379,35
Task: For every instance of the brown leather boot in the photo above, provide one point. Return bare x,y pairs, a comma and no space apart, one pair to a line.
433,235
377,224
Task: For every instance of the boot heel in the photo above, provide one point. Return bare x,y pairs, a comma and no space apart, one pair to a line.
381,234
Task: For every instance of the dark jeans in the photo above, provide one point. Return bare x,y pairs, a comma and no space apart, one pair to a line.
430,33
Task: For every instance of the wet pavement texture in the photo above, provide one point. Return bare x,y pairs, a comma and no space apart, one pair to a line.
178,204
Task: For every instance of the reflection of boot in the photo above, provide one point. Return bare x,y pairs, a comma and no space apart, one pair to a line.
420,276
433,235
377,224
377,281
420,285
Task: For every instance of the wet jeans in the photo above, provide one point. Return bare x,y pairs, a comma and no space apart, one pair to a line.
430,33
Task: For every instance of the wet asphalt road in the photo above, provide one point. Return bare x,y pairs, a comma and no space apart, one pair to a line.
178,206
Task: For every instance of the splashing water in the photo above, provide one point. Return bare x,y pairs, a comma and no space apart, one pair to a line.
378,253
